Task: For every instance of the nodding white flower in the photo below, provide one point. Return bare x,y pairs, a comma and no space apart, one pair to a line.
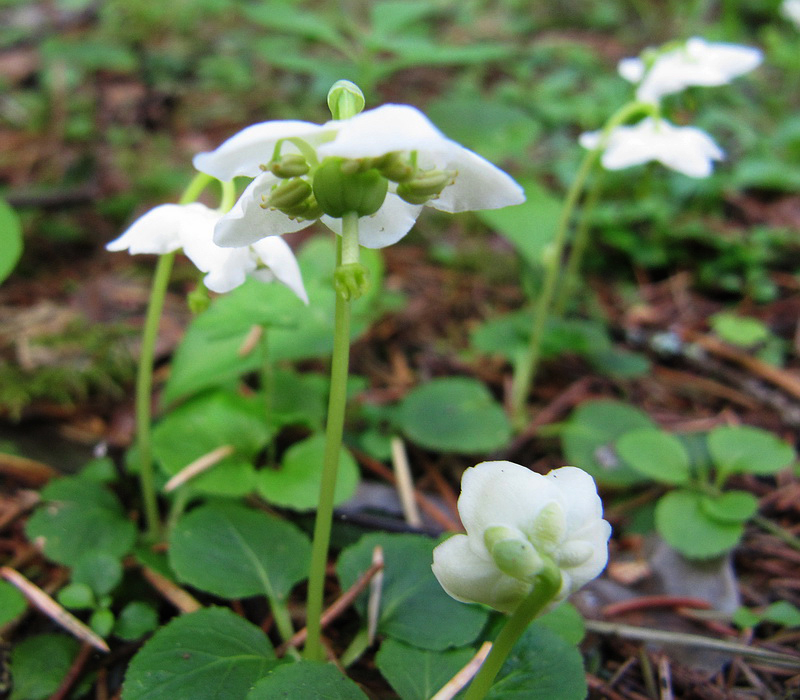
383,164
170,227
515,520
688,150
790,9
695,62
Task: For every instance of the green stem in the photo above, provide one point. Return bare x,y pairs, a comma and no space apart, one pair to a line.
524,381
144,390
545,587
777,530
333,443
578,248
144,376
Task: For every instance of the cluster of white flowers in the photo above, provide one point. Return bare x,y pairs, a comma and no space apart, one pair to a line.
383,165
658,73
516,521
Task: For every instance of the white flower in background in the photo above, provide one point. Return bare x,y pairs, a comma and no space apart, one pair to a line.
688,150
790,9
696,62
515,520
170,227
392,160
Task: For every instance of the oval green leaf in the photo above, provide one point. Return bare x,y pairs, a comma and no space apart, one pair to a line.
681,521
455,414
11,235
39,664
743,448
414,608
656,454
590,435
212,654
78,517
309,680
12,603
541,666
296,483
235,552
418,674
731,506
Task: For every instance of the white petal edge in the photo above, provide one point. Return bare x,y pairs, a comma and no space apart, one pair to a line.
386,226
155,232
244,152
277,255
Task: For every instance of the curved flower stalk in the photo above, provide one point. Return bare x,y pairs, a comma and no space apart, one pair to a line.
531,541
695,62
171,227
685,149
384,164
519,522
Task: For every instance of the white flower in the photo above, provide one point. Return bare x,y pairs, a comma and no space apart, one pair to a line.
688,150
469,182
790,9
170,227
516,518
697,62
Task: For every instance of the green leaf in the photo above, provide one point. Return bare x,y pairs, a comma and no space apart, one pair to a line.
135,620
206,423
299,399
681,521
414,608
296,483
739,330
418,674
77,596
566,622
11,236
209,354
388,17
309,680
531,226
287,19
212,654
731,506
12,603
742,448
541,666
39,664
235,552
78,517
454,414
656,454
590,435
102,621
782,612
98,570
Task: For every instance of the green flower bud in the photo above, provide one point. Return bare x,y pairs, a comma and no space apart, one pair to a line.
425,186
289,165
345,99
339,192
394,167
198,299
289,193
512,553
549,527
351,281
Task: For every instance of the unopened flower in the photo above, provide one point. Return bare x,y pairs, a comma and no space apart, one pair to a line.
384,164
171,227
688,150
516,522
790,9
695,62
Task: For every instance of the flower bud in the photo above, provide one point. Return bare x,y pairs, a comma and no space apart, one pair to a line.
338,192
513,555
394,167
425,186
345,99
289,165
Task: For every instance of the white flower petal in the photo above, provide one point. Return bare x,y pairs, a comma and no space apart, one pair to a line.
470,578
697,62
247,222
632,69
231,269
243,153
276,254
790,9
386,226
156,232
501,493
